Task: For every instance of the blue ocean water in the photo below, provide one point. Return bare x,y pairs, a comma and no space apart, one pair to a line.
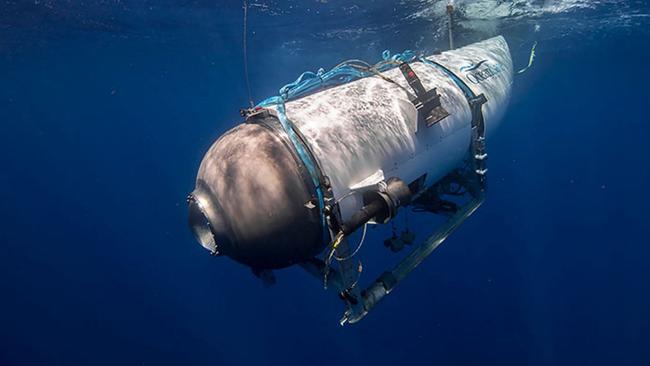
107,107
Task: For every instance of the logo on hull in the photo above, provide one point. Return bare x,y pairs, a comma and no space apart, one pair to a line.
481,71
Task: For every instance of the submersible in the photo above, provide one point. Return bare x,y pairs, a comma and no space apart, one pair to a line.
304,170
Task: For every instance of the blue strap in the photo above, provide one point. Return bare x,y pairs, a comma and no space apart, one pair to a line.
469,94
308,82
304,156
306,159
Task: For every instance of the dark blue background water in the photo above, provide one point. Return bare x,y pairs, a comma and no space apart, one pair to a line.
107,109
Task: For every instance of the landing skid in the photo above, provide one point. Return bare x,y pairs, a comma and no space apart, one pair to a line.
386,282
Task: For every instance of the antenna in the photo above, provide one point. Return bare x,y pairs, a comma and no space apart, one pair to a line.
245,47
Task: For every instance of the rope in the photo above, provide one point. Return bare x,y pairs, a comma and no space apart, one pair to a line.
342,73
245,47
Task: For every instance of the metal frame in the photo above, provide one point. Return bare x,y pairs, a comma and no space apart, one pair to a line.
473,181
345,277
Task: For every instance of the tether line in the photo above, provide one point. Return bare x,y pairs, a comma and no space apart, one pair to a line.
245,46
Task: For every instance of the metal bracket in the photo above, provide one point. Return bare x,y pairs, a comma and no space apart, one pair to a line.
251,112
427,103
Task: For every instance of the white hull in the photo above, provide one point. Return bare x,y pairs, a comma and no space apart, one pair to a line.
362,130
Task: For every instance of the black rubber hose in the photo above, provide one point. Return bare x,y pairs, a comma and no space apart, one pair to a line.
367,212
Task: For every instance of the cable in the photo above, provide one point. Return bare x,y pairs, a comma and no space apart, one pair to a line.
363,238
328,260
245,46
335,244
375,72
